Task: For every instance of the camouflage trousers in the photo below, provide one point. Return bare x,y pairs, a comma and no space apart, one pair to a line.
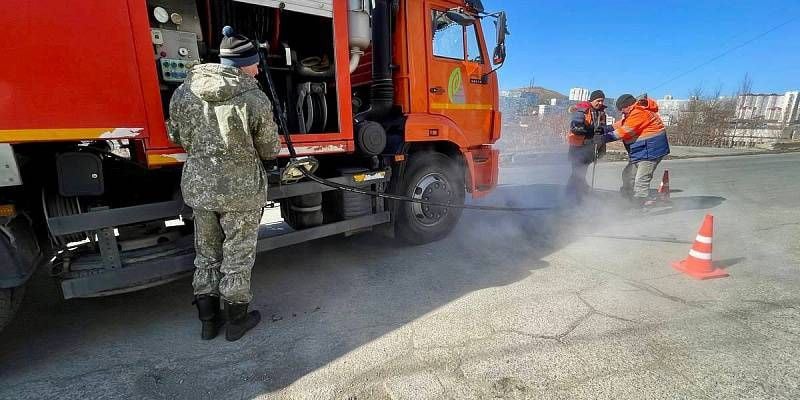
225,247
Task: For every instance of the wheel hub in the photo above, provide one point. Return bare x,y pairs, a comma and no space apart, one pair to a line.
432,187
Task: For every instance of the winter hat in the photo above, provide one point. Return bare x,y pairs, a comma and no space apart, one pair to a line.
236,50
625,100
597,94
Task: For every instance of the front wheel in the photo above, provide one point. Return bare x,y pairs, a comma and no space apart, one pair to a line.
430,177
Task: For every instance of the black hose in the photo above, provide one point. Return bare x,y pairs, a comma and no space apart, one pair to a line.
407,199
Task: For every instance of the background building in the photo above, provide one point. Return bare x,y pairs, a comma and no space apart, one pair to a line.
781,108
670,109
578,94
791,110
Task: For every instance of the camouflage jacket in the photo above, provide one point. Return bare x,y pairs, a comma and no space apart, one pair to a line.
224,122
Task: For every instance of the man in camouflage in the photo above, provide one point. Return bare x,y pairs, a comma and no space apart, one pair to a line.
224,122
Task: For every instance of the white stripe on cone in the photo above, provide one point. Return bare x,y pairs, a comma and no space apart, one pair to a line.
696,254
703,239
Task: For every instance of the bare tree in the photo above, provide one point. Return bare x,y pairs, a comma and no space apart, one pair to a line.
746,85
532,131
705,120
745,88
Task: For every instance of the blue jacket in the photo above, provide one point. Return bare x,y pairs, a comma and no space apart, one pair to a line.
643,133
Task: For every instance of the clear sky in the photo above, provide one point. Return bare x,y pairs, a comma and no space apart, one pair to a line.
635,46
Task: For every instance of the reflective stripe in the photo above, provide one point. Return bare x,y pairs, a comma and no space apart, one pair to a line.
628,134
696,254
453,106
648,136
703,239
45,135
166,159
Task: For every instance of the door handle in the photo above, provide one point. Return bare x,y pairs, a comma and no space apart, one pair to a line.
437,90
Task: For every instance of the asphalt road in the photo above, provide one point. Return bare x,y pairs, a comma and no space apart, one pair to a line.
569,304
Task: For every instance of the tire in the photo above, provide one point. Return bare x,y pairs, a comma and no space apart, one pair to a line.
436,177
10,299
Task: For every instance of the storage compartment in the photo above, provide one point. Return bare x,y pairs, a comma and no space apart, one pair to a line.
80,174
298,33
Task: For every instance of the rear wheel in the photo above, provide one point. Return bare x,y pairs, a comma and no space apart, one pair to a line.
430,177
10,300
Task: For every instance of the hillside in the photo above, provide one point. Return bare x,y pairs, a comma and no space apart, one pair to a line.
544,94
547,93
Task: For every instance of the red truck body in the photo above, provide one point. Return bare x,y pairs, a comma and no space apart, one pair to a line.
92,180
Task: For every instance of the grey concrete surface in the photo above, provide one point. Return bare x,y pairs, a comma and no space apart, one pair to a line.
568,304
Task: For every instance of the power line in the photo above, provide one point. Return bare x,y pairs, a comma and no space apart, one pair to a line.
725,53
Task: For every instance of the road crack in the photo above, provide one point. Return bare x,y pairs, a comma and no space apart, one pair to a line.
778,226
604,314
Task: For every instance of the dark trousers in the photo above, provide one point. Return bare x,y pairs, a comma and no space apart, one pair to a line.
580,158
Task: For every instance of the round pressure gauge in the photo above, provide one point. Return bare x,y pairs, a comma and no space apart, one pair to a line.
176,18
161,15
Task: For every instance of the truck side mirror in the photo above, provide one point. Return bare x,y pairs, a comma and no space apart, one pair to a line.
501,25
460,18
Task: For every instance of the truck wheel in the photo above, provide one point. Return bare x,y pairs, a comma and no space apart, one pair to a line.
434,177
10,300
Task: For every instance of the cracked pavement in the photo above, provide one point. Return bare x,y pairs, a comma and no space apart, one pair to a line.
570,305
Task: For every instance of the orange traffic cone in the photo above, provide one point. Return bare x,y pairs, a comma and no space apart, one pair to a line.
663,190
698,265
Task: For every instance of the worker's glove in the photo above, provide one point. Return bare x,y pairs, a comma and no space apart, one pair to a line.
580,129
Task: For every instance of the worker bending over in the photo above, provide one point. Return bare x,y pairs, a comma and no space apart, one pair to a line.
645,138
588,123
224,121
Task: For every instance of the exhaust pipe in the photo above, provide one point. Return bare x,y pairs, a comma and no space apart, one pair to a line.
382,90
360,31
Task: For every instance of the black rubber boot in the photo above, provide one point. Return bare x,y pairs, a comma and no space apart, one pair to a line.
209,314
239,320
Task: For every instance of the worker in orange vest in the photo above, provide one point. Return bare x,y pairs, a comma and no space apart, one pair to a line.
585,140
645,138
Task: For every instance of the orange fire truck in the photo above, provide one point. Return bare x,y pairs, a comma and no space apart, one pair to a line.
393,96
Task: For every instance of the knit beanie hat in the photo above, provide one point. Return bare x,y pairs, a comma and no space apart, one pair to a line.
236,50
625,100
597,94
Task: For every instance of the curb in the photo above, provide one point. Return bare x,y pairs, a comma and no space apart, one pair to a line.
555,158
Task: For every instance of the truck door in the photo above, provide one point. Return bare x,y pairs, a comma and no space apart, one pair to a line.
458,64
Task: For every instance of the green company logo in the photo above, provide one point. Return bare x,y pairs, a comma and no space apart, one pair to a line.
455,87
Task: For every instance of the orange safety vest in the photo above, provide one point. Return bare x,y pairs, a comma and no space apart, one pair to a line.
584,108
643,132
643,122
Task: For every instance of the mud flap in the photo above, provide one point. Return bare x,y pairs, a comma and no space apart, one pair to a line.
483,165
